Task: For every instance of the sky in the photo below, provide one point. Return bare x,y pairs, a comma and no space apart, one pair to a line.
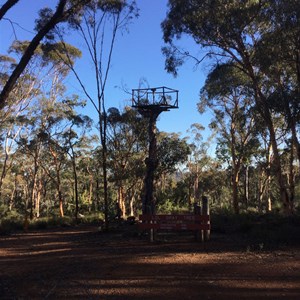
137,55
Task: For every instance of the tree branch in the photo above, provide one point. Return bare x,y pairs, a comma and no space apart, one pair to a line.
7,6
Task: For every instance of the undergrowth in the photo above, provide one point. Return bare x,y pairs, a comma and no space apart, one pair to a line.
255,231
259,231
15,223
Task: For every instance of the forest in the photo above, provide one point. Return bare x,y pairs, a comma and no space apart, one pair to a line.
73,185
57,165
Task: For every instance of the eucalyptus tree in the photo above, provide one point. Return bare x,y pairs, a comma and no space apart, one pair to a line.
48,20
99,25
47,70
172,153
22,115
227,94
54,122
127,150
197,160
76,141
127,145
230,32
25,91
284,67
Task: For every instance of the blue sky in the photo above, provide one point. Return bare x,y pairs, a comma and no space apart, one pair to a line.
137,55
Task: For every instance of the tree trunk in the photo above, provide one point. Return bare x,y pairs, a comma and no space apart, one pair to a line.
73,158
61,206
33,192
55,19
236,169
59,193
269,200
4,164
105,187
260,192
32,195
287,208
97,202
264,110
151,163
12,197
121,201
196,185
295,140
3,172
103,132
247,186
235,198
131,202
38,198
90,193
291,176
58,181
267,117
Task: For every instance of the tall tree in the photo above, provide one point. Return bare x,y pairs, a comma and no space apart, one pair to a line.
75,140
127,146
197,160
48,69
231,32
227,94
100,48
281,64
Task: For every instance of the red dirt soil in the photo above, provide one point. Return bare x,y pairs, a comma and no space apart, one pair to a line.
82,263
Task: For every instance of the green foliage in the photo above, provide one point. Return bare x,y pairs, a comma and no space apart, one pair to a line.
225,79
15,222
50,141
5,213
45,15
10,220
251,88
3,210
172,151
168,207
173,60
112,6
41,223
92,218
60,52
8,226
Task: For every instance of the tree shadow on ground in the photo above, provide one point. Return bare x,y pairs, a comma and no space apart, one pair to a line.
82,263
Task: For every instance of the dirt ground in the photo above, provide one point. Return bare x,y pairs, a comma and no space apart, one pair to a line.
83,263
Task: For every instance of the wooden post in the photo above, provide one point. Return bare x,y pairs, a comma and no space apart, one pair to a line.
198,233
205,212
152,235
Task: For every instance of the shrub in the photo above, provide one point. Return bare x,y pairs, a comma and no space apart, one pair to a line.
169,207
92,219
40,224
9,225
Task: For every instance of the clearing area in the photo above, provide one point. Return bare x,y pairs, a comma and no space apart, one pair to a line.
83,263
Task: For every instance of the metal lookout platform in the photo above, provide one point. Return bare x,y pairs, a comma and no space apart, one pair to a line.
150,102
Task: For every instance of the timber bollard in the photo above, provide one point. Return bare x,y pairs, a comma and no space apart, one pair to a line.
205,212
199,233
